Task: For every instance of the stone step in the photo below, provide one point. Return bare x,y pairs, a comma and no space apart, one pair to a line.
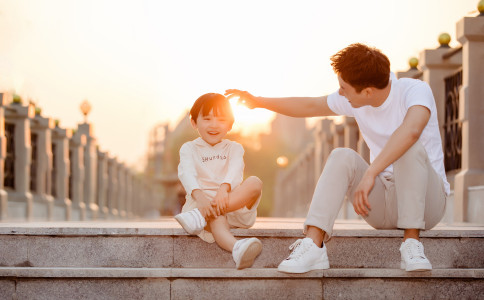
267,283
163,244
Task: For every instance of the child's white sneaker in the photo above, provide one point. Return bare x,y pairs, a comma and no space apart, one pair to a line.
413,256
192,221
306,256
245,251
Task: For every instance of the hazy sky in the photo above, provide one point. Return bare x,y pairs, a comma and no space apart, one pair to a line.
140,63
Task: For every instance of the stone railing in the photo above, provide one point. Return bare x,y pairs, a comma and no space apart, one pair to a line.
295,184
48,173
456,76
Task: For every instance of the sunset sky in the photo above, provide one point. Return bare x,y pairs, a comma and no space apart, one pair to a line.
141,63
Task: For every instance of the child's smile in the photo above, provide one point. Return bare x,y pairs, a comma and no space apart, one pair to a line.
212,129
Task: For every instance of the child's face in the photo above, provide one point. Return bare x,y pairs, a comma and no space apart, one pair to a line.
212,129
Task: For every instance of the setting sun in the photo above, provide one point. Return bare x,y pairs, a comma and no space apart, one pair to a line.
250,121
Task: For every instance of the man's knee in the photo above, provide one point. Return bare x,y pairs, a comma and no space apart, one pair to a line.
342,154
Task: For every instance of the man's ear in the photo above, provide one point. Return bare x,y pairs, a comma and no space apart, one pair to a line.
194,125
368,92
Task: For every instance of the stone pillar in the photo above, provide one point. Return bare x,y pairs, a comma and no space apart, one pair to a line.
41,167
3,150
130,210
17,161
350,133
121,190
113,188
470,34
102,184
60,174
436,66
76,179
363,149
338,135
90,170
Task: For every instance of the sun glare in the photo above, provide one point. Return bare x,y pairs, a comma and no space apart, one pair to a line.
250,121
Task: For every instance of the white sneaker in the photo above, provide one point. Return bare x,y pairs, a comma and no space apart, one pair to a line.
305,257
192,221
413,257
245,251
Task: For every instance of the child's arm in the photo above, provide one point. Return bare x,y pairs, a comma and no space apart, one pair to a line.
221,199
232,179
187,174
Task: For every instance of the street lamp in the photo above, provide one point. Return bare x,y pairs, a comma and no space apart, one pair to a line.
85,109
282,161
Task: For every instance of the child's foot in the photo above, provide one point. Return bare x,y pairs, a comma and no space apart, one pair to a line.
245,251
192,221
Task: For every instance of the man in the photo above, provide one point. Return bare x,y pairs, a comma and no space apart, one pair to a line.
405,185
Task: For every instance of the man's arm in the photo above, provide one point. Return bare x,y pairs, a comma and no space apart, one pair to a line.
400,141
290,106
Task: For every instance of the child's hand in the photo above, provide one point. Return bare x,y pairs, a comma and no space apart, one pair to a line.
245,98
204,205
221,201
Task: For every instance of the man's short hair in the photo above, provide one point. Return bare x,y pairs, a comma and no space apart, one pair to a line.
362,66
212,101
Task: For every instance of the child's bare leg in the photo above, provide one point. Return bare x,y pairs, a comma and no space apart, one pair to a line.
246,194
221,233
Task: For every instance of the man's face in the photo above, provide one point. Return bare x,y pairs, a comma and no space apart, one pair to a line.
356,99
212,129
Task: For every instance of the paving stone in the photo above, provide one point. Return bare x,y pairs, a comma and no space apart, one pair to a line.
246,289
76,289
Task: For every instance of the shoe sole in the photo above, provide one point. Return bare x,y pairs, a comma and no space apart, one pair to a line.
185,226
416,267
299,270
250,254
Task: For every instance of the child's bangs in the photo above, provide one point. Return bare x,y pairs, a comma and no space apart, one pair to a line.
220,108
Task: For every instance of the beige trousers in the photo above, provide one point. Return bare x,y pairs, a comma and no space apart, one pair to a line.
414,197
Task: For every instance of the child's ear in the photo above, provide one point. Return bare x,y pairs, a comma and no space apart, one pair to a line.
194,125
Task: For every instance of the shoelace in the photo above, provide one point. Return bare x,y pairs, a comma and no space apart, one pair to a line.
416,250
299,249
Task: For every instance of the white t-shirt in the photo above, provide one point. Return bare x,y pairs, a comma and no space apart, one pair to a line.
206,167
377,124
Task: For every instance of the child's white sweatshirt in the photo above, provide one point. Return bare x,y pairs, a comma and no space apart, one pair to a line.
206,167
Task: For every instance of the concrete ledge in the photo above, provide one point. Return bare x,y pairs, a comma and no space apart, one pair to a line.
264,227
174,273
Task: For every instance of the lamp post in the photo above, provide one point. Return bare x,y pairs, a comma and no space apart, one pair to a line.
85,109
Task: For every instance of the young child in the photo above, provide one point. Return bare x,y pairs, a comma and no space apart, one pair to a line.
211,171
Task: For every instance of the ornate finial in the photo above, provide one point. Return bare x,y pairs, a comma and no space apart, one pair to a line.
413,63
480,7
38,111
57,122
85,109
444,40
16,99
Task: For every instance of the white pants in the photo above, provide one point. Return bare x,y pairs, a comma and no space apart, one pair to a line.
414,197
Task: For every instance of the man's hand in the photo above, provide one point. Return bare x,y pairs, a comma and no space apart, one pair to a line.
245,98
204,205
221,199
360,201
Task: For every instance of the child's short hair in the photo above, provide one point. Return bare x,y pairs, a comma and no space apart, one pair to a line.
362,66
212,101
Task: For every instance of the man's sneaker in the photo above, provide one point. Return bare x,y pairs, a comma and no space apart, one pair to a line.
245,251
305,257
413,257
192,221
